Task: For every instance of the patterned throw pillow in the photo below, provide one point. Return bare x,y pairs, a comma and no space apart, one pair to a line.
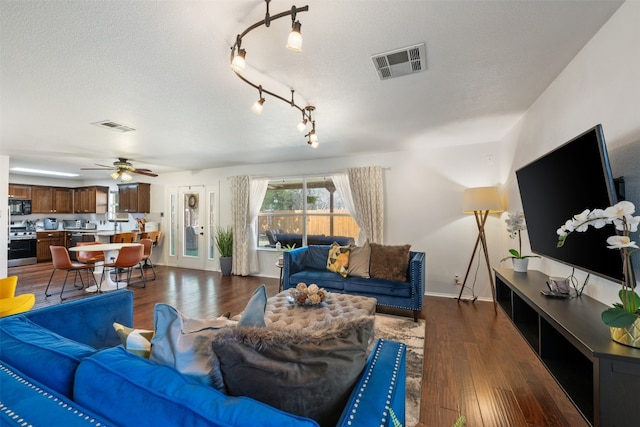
136,341
338,260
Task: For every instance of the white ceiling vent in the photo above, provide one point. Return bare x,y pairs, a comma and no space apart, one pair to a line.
400,62
118,127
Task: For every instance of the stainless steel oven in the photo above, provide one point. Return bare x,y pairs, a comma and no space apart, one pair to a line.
22,247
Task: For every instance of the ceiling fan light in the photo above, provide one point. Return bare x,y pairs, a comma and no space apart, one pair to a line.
239,61
257,106
125,176
294,42
115,175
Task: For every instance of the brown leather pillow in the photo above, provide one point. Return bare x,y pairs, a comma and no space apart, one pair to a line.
389,262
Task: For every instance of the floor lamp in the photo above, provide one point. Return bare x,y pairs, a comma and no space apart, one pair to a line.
481,201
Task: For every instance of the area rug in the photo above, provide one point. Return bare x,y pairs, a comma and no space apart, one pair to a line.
407,331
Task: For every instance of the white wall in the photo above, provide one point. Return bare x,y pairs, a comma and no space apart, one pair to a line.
423,202
601,85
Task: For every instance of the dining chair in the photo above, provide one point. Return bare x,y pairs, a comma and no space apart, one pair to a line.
128,258
126,237
10,303
89,257
61,261
147,245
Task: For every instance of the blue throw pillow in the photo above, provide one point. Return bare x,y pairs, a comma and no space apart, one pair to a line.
254,311
317,257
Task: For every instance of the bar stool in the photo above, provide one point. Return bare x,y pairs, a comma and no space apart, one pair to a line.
147,244
127,237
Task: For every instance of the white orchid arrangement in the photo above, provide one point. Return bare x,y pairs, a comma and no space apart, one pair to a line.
308,295
515,225
621,216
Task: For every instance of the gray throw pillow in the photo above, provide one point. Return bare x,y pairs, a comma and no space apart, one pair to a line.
184,344
359,260
305,372
253,314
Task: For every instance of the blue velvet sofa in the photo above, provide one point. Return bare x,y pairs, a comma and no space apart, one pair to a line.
302,266
64,365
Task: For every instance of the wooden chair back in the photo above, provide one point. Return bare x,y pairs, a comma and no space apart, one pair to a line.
127,237
147,244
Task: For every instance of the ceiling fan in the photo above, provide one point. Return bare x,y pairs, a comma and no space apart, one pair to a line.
122,169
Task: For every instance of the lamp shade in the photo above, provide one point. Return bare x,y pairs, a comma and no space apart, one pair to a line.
481,199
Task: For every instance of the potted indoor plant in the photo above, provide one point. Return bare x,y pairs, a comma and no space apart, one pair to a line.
224,243
623,317
515,225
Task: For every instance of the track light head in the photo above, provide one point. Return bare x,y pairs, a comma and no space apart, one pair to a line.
294,42
257,106
239,62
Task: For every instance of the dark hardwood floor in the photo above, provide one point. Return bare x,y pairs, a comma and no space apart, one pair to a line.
476,362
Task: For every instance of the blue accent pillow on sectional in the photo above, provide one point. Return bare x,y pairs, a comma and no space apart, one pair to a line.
317,257
41,354
143,393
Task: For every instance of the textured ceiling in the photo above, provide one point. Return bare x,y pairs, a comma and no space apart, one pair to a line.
162,67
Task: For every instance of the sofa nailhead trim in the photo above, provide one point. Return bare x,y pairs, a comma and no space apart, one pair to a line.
4,408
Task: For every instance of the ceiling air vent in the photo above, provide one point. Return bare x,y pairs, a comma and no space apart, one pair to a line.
113,126
400,62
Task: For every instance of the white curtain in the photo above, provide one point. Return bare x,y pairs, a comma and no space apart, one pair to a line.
239,213
256,196
341,181
367,192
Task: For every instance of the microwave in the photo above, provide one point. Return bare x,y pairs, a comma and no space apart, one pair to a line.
19,207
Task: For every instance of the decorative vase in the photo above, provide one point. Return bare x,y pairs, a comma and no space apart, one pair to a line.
629,335
520,265
225,265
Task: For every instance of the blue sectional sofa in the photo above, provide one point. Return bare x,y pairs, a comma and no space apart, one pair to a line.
64,365
303,265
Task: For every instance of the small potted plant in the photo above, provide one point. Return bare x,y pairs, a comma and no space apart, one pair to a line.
224,243
515,225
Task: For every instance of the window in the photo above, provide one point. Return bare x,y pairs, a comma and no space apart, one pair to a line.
304,211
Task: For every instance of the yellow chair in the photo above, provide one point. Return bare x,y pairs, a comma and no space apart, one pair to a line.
11,304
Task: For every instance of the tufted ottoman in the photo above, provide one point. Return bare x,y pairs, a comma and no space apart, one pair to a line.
306,361
283,313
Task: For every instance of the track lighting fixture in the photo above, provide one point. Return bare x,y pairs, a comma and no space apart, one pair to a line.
257,106
239,61
294,43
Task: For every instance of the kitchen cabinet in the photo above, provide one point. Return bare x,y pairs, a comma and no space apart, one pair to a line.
134,198
19,191
51,200
46,239
91,199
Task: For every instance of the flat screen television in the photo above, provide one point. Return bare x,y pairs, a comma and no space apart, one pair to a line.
571,178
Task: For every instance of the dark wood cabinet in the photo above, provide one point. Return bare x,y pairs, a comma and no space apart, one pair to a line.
19,191
134,198
46,239
91,199
600,376
51,200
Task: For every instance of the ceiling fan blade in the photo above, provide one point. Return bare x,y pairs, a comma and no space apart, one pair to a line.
146,172
105,168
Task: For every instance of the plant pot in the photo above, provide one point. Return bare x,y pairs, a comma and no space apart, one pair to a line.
520,265
225,265
629,335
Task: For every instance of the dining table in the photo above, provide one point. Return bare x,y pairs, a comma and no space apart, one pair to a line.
111,251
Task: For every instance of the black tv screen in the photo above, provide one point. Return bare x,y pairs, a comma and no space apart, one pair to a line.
573,177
